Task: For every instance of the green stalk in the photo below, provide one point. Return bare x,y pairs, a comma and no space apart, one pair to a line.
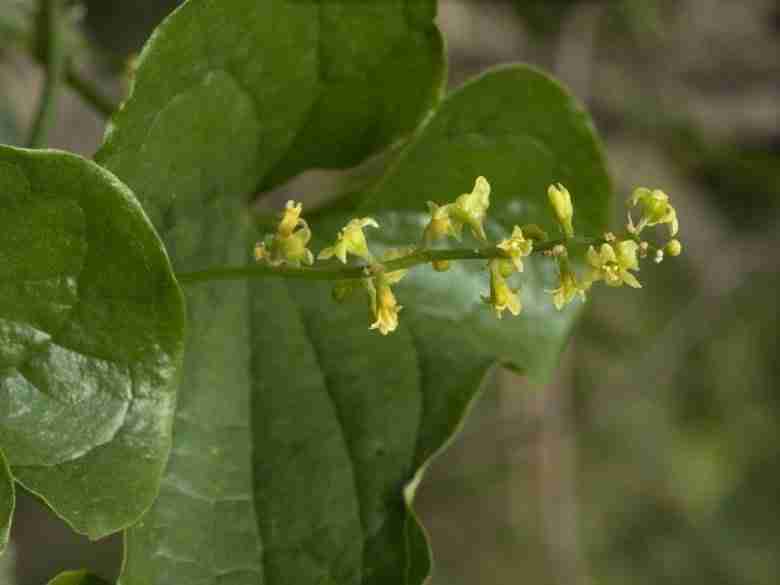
90,92
49,19
416,258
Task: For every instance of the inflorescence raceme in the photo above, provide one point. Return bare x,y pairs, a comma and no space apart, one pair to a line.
610,259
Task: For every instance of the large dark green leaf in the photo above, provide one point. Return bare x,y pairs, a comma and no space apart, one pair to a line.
91,328
301,83
231,95
522,131
7,501
77,578
290,464
339,406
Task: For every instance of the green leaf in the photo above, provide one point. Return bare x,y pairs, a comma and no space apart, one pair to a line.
295,464
7,501
91,328
337,405
230,96
306,83
523,131
342,419
77,578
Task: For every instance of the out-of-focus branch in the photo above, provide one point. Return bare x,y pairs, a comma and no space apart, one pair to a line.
90,92
50,33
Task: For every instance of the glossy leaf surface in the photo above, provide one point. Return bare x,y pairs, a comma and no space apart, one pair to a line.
228,96
91,328
338,405
298,430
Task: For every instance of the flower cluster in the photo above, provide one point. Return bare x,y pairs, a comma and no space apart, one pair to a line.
610,259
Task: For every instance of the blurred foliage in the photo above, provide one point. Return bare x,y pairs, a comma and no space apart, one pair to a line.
16,20
743,179
9,133
544,17
633,19
18,25
688,446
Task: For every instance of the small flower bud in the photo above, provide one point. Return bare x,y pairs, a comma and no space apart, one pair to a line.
534,232
643,247
441,265
560,200
559,250
659,256
609,237
673,247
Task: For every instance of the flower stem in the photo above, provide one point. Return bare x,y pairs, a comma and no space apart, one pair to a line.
416,258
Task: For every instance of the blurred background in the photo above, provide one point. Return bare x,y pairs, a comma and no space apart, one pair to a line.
654,457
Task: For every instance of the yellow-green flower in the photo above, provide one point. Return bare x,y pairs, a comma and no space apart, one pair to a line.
440,225
288,245
350,240
291,219
293,248
560,200
516,247
568,289
278,250
613,262
501,297
656,209
384,306
470,209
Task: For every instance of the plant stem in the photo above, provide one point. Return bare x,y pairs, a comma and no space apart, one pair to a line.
49,19
416,258
90,92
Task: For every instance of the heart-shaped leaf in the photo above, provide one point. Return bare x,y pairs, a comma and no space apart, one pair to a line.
298,440
337,405
91,328
228,96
